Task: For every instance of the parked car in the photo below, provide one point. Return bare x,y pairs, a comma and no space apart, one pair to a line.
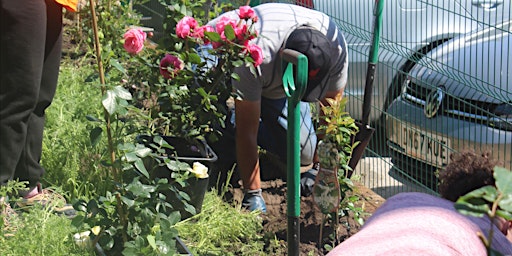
410,29
458,96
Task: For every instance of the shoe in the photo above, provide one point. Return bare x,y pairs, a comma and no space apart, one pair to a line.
48,199
253,201
307,181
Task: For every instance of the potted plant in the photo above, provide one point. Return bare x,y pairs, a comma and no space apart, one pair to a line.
181,86
162,92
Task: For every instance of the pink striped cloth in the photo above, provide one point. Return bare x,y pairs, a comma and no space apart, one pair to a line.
421,224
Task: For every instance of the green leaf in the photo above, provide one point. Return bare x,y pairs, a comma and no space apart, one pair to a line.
473,207
229,32
122,93
140,190
488,193
151,241
504,214
506,202
95,135
139,164
235,76
92,118
115,63
109,102
213,36
238,63
131,157
129,202
143,152
194,58
503,179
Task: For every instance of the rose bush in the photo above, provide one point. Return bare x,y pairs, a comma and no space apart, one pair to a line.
176,87
187,96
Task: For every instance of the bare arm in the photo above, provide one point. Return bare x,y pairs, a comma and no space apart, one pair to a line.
247,115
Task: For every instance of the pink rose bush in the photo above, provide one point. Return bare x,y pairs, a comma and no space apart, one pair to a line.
195,67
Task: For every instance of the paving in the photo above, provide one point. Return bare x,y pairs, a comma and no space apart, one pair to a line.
378,174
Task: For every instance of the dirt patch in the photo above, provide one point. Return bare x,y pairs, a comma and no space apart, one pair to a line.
275,221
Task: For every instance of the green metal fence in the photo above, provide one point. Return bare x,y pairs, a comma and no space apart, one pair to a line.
443,84
430,99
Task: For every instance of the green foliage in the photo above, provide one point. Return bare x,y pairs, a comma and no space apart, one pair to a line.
335,151
112,17
136,219
68,156
340,128
215,231
491,201
108,173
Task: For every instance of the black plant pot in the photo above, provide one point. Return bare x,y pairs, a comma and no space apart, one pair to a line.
184,151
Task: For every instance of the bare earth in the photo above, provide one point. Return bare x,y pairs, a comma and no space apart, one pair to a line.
311,219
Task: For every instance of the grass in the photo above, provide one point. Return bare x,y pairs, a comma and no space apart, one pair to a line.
70,160
41,232
221,229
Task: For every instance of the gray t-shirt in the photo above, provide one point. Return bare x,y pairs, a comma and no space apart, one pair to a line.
275,22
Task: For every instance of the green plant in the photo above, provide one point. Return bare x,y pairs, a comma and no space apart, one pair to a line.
135,216
491,201
68,155
334,151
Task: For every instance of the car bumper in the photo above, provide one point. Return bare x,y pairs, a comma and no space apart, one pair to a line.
410,133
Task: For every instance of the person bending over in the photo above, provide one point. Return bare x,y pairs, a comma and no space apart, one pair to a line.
260,109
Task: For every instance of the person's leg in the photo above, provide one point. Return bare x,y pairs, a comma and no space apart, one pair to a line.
29,168
273,136
23,33
273,129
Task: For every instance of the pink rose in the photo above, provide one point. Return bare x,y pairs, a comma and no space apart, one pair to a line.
246,12
199,32
170,65
134,40
185,25
241,32
223,22
256,53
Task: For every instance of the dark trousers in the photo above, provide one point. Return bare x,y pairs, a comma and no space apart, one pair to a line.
30,45
272,133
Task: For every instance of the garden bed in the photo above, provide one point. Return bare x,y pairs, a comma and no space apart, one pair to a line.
275,220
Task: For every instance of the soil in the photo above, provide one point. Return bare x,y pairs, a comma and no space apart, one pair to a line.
275,221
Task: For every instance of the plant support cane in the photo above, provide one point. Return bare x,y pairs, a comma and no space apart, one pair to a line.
294,92
107,115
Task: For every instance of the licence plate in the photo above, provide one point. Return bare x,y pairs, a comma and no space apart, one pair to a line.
430,148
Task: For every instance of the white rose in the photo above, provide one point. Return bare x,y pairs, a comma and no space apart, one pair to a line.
200,170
